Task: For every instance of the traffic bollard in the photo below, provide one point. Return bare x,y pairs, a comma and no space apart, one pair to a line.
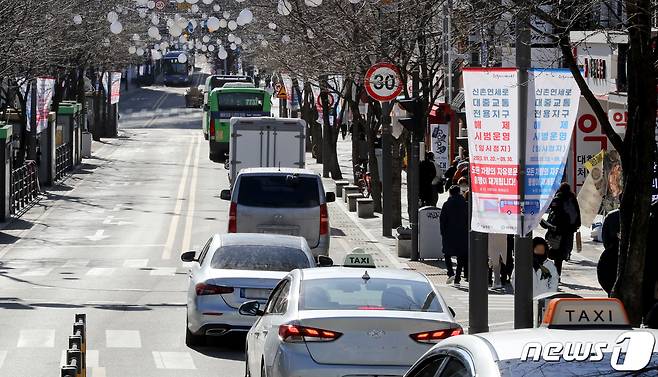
68,371
80,329
74,359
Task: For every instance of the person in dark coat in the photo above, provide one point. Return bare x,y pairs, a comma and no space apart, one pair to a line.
454,231
427,172
606,269
650,286
450,172
562,223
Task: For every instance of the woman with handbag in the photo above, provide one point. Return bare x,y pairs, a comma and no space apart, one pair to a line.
562,223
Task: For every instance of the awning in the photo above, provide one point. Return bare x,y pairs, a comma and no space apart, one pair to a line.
458,102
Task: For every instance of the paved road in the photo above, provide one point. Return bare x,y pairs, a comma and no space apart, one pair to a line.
106,242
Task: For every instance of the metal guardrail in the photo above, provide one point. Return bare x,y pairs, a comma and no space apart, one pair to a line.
24,186
76,360
63,160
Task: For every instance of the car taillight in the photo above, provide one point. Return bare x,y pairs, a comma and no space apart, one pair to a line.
212,127
296,333
232,218
203,289
324,220
436,335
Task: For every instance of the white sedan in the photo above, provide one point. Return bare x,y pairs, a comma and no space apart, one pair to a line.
346,321
578,337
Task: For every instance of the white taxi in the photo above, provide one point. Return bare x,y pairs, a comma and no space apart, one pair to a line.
578,337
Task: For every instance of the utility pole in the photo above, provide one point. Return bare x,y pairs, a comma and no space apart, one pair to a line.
412,175
523,317
387,177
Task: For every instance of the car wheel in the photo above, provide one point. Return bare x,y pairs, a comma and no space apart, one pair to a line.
192,340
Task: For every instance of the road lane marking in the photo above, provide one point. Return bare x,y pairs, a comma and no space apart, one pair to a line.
100,271
173,225
40,271
173,360
98,372
3,356
97,246
36,339
122,339
98,236
135,263
163,271
191,203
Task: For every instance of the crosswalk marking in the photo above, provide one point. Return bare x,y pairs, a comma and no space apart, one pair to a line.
173,360
36,339
163,271
100,271
135,263
122,339
98,372
3,356
39,271
92,358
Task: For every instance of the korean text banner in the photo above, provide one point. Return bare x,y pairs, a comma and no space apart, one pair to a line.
116,87
45,91
439,135
553,97
491,99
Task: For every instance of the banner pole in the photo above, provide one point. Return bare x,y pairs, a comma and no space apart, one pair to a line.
523,295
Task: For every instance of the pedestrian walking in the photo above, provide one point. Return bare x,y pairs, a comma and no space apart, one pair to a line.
343,130
497,246
545,277
453,222
606,269
427,172
562,223
437,182
508,264
450,173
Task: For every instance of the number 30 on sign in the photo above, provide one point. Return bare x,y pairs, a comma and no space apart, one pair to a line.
383,82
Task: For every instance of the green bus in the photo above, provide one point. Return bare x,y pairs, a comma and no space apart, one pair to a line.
214,82
232,100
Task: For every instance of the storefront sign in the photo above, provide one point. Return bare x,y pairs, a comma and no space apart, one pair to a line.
439,134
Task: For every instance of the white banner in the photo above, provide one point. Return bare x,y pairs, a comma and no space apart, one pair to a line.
555,95
45,91
491,99
439,145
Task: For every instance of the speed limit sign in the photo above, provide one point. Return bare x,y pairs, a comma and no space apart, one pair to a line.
383,82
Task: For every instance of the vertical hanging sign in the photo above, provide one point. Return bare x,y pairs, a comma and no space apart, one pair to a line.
491,99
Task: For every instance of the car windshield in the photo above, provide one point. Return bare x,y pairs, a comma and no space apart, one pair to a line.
520,368
371,294
279,191
259,258
240,101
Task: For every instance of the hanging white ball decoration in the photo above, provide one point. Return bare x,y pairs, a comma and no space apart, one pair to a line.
77,19
213,24
116,27
182,58
132,49
112,16
232,25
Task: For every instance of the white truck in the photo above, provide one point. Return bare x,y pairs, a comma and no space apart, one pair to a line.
266,142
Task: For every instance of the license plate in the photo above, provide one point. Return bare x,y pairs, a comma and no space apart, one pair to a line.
256,293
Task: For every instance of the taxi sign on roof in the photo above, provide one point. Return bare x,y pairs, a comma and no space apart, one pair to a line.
586,312
359,258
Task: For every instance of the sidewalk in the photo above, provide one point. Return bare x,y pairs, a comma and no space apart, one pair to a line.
578,275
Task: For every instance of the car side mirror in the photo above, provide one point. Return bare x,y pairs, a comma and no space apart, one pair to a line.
325,261
225,194
330,197
452,311
251,308
189,256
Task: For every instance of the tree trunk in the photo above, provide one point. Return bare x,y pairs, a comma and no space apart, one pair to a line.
638,152
327,158
396,182
372,126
